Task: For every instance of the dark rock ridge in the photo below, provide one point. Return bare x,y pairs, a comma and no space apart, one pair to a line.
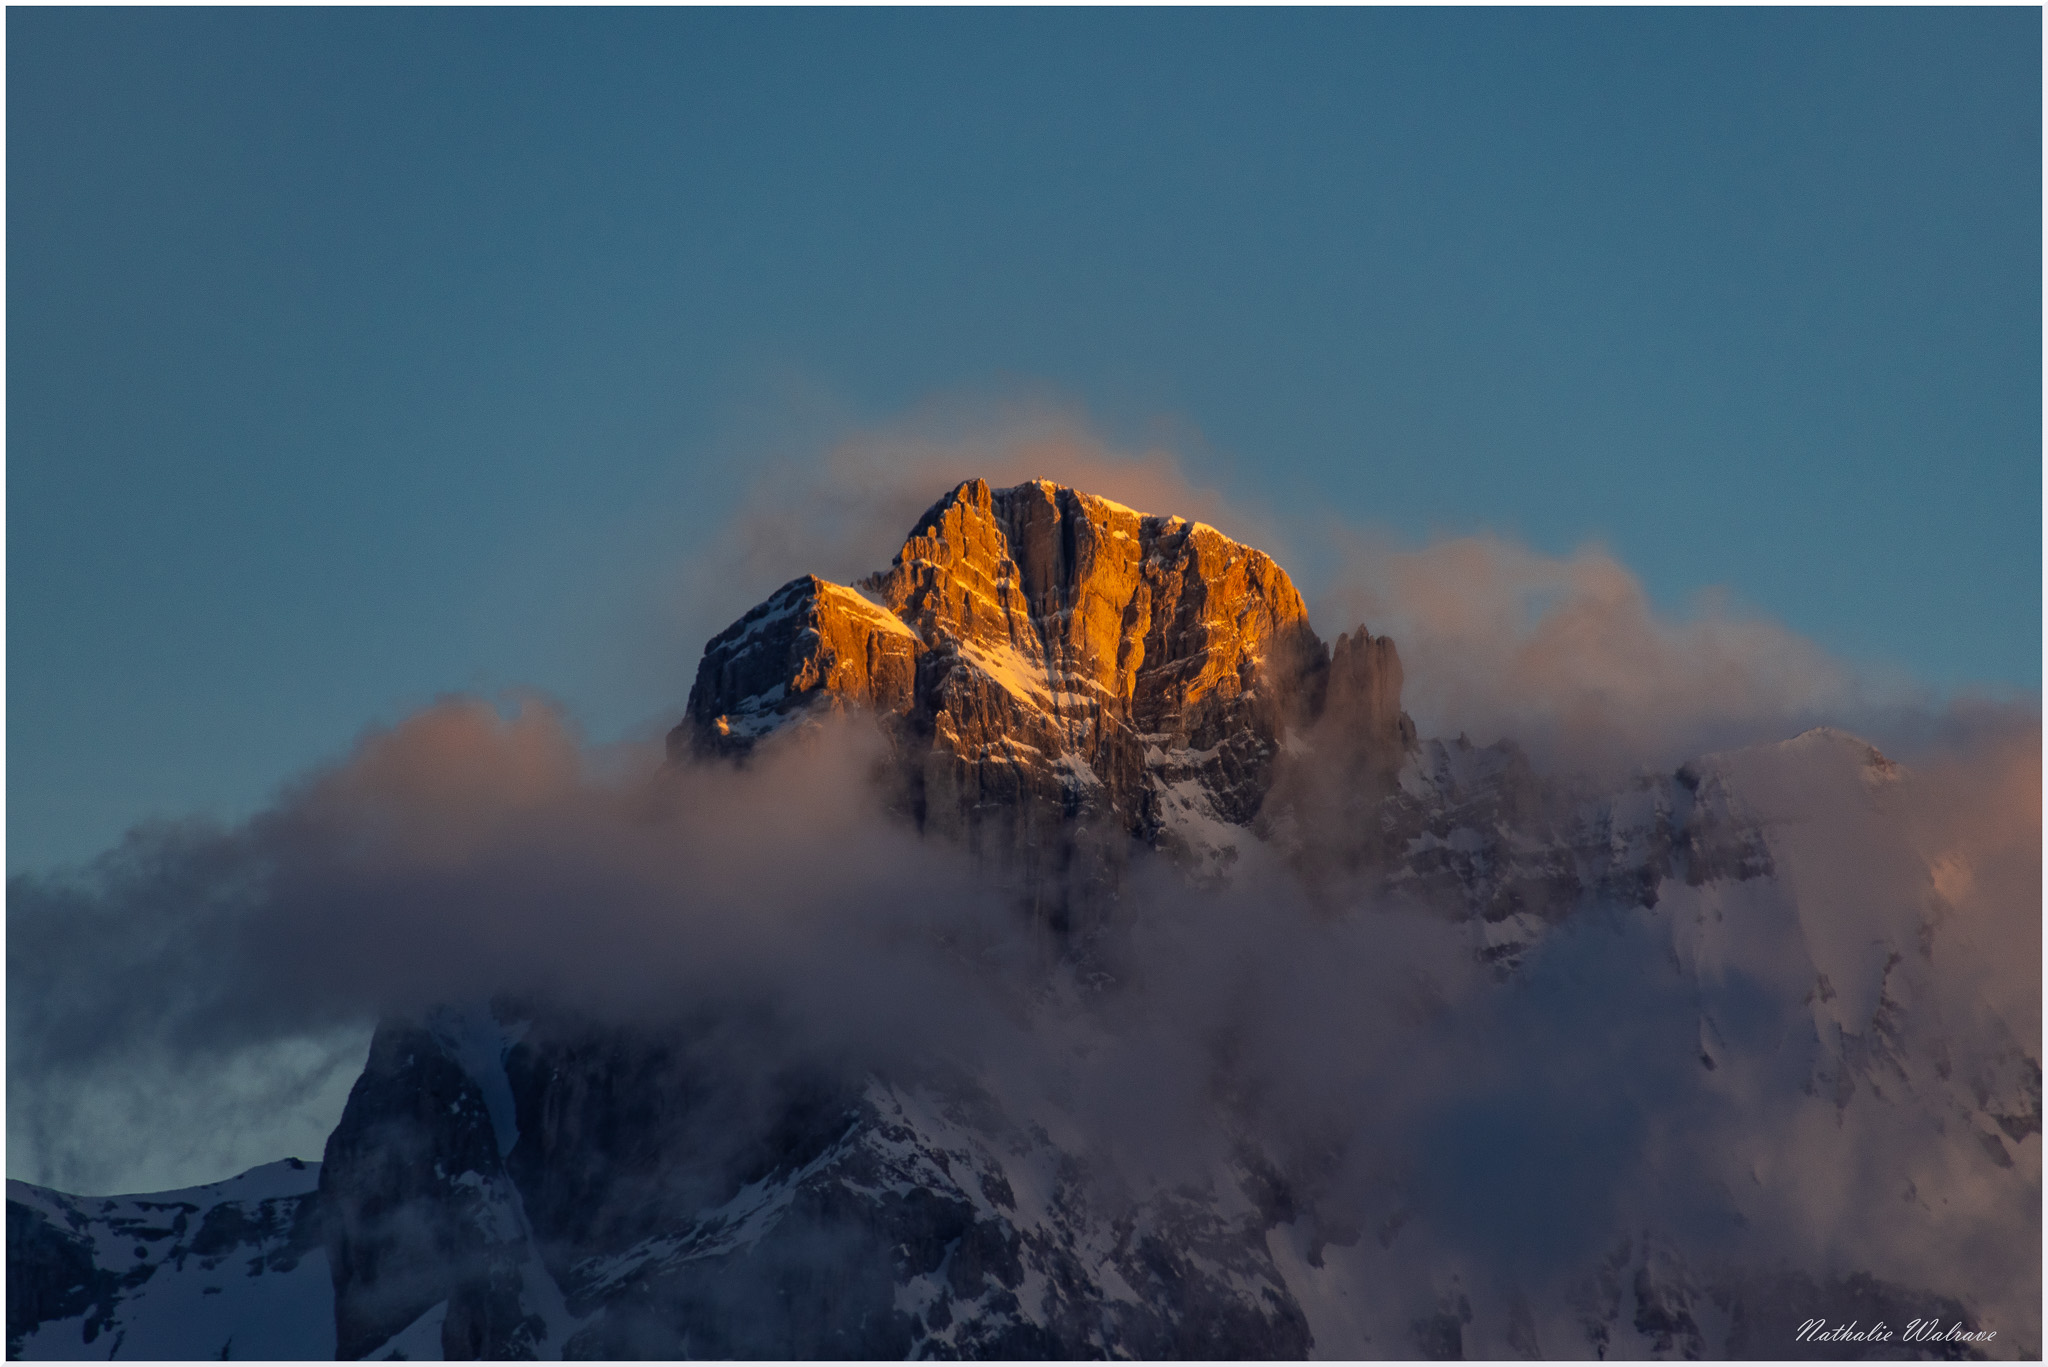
1049,663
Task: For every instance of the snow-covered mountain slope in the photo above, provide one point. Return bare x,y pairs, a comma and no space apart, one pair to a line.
231,1269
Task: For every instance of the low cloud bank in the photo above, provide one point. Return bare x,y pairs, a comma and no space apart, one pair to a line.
1509,1129
460,854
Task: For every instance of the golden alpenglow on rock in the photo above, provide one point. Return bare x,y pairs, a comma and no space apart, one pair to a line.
1049,664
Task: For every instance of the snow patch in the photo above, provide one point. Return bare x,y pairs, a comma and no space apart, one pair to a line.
419,1341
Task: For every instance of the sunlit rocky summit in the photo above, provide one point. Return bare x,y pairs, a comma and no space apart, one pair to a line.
1052,666
1067,689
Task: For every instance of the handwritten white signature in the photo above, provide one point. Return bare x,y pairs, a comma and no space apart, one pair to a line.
1918,1331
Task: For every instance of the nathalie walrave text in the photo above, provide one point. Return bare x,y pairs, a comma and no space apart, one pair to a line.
1917,1331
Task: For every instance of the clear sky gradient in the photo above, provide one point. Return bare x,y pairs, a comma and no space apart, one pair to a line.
356,356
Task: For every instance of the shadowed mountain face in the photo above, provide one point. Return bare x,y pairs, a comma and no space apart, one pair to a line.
1553,1130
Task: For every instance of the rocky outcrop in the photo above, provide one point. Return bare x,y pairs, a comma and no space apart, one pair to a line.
693,1203
668,1194
1362,716
1329,794
1054,666
421,1217
811,645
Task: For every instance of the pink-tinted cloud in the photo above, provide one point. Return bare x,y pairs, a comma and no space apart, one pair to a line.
1567,654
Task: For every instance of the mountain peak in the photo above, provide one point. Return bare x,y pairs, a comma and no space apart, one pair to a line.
1041,658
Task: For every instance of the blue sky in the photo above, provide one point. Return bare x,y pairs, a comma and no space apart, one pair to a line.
357,356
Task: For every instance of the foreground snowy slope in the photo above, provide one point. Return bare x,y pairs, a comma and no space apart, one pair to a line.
232,1269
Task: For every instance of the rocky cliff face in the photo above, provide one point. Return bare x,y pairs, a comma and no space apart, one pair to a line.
1052,666
689,1203
419,1212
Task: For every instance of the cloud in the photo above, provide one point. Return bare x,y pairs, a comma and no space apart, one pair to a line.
1974,813
462,853
1567,655
473,850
